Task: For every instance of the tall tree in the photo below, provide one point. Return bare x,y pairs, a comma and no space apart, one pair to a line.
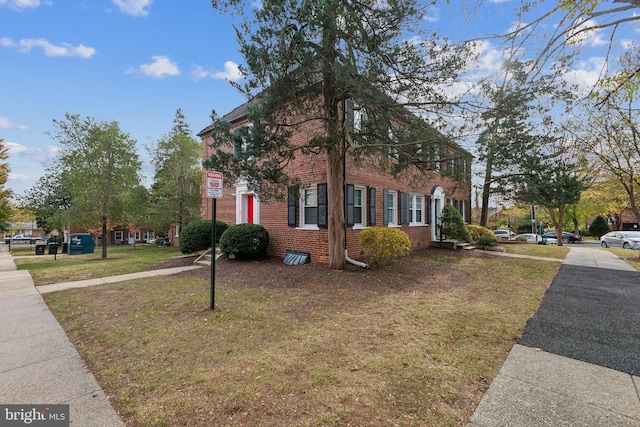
176,189
100,170
553,175
304,60
611,133
5,194
49,201
510,125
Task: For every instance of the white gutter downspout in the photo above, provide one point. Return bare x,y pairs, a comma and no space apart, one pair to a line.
354,262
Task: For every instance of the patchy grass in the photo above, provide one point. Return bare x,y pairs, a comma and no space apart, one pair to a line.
548,251
414,344
122,259
630,256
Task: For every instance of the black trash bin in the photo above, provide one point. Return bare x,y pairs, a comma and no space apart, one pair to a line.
65,248
40,249
53,248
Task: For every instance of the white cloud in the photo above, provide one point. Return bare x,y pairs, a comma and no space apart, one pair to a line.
134,7
49,49
587,34
35,154
586,75
231,72
160,67
20,4
7,123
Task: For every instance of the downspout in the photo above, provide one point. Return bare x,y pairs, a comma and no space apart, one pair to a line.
344,189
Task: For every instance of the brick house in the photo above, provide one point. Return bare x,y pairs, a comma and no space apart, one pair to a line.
372,197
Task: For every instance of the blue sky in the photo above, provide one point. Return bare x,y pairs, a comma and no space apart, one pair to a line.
138,61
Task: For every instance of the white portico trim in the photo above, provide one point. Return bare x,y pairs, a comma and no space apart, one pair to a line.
435,208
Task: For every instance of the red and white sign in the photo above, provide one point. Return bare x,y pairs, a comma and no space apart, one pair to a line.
214,185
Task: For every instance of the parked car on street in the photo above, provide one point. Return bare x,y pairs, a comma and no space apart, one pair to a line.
566,236
504,234
621,239
536,238
19,238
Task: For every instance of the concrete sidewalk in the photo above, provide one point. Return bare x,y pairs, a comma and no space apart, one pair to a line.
540,388
38,363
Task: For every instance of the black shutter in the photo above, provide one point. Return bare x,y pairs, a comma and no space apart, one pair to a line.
322,205
428,208
407,212
385,211
401,200
349,205
372,207
349,105
292,206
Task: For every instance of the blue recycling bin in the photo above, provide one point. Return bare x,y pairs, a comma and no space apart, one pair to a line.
81,243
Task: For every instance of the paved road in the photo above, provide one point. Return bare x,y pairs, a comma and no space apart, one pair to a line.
578,361
590,314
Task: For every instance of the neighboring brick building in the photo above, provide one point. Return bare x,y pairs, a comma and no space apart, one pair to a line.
372,198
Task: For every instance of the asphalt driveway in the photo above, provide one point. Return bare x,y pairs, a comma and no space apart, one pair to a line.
592,315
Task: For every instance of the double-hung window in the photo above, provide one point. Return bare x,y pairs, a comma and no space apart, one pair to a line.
416,209
359,203
391,208
309,207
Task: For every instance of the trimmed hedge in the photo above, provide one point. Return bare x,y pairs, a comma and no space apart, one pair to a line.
197,235
245,241
380,244
478,230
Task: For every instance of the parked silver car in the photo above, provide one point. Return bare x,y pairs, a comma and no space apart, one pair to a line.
621,239
536,238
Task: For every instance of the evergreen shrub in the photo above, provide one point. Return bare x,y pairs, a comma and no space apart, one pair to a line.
197,235
599,227
245,241
453,226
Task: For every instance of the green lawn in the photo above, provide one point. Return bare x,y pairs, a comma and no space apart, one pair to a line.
121,259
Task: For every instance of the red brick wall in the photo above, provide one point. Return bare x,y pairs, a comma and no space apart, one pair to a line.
312,170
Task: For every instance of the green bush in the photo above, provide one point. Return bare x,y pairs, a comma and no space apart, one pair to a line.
599,227
478,230
486,241
197,235
380,244
453,226
245,241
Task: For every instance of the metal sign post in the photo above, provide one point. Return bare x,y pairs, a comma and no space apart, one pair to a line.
214,191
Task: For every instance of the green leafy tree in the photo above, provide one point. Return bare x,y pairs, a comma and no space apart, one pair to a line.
305,61
599,227
176,190
510,127
49,202
99,169
553,176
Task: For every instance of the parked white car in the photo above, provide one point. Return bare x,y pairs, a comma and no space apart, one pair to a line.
536,238
504,234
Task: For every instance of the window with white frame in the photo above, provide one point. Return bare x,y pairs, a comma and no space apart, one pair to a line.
416,209
392,203
309,209
149,236
359,203
117,235
135,235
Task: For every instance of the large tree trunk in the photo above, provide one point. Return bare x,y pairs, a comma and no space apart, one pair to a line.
334,145
336,220
486,188
104,238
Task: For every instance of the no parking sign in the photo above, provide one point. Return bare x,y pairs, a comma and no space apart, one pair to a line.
214,185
